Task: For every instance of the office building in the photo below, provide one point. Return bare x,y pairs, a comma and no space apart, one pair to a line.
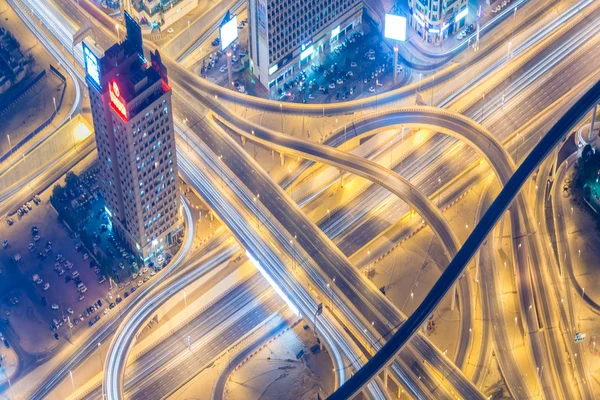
435,20
131,108
286,34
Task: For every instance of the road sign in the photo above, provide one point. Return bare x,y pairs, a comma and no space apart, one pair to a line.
579,337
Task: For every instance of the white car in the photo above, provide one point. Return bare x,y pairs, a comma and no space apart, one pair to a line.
46,286
70,310
170,30
223,68
372,89
55,306
140,283
332,86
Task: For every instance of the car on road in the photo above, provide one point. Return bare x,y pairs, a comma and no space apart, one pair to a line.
140,283
46,286
372,89
70,310
170,30
55,306
10,221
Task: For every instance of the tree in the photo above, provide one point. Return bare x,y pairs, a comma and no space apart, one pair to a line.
71,180
57,192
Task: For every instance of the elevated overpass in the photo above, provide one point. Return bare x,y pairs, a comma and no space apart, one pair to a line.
471,245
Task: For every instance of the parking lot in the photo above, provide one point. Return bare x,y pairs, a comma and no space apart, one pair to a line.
39,262
359,65
52,284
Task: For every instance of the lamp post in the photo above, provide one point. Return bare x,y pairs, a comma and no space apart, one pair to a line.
9,145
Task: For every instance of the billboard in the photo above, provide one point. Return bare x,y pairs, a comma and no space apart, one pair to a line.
306,52
461,14
92,67
335,31
395,27
229,32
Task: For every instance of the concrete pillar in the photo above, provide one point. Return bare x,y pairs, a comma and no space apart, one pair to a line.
395,63
281,159
385,378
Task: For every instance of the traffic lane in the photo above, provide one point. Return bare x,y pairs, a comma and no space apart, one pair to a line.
167,380
199,326
491,299
152,364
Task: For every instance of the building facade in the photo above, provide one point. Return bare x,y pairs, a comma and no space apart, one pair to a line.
286,34
435,20
131,108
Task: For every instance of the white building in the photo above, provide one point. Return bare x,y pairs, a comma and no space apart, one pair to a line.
286,34
435,20
131,109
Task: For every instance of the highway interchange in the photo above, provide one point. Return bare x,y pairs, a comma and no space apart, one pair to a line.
299,254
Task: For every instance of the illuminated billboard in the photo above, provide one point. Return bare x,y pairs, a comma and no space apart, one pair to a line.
229,32
395,27
306,52
116,102
92,68
335,31
461,14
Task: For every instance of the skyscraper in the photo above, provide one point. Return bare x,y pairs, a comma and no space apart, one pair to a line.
131,108
285,34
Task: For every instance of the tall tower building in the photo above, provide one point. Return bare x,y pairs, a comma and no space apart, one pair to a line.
286,34
131,108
